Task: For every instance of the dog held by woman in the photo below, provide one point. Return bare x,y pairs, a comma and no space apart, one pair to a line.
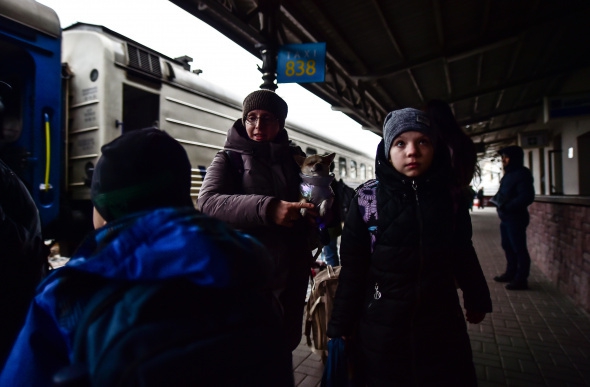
315,188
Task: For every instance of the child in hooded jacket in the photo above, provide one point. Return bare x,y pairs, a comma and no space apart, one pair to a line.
397,298
148,232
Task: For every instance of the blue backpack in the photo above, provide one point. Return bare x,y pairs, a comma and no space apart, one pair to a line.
174,333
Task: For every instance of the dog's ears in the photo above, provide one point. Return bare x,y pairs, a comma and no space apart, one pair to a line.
299,159
329,158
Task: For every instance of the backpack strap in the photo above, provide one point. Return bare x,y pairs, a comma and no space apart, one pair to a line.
367,200
78,373
235,159
104,299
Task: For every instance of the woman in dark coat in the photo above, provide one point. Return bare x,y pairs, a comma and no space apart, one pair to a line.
253,184
397,296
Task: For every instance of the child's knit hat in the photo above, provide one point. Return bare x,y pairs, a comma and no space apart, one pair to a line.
141,170
404,120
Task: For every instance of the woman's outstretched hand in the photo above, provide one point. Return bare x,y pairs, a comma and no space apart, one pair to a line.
286,213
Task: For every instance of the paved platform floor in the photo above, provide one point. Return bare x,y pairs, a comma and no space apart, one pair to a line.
536,337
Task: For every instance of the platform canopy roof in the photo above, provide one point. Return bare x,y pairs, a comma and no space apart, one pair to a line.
496,62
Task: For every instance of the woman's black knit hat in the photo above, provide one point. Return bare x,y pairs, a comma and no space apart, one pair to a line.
265,100
141,170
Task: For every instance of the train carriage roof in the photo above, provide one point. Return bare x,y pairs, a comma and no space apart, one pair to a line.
496,62
32,14
195,83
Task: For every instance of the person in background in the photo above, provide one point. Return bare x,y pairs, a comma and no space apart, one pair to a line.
330,251
11,153
148,232
469,196
515,194
253,185
25,257
461,148
397,299
480,198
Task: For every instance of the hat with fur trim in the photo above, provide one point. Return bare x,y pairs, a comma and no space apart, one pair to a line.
265,100
141,170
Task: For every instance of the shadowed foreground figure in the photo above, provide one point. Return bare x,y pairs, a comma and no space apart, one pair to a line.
24,256
191,301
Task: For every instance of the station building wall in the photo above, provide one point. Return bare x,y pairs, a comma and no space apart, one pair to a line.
559,244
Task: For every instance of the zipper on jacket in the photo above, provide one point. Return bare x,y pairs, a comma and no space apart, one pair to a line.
377,294
421,227
418,298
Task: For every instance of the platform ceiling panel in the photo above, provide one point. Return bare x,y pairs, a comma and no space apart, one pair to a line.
493,61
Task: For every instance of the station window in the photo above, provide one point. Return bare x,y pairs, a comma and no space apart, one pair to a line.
342,167
363,171
352,169
311,151
369,172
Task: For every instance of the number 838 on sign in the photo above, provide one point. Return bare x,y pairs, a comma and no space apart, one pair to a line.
301,63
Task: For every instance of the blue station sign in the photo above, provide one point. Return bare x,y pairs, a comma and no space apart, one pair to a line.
301,63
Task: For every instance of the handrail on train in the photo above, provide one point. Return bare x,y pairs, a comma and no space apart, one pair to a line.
46,186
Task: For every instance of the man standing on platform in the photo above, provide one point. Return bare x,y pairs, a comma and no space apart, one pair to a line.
516,193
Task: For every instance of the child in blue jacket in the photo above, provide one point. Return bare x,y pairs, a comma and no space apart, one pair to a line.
148,232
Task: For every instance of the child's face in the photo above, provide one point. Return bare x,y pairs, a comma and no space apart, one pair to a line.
411,153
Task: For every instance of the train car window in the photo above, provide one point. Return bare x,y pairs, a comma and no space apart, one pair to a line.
311,151
352,169
363,171
94,75
342,167
140,108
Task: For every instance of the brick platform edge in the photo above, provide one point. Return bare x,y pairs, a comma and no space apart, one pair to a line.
559,244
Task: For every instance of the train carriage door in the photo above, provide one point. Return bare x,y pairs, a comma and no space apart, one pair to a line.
141,109
30,96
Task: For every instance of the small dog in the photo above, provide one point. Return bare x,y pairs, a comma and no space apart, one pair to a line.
315,188
316,179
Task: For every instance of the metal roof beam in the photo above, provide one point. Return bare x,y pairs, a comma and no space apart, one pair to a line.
343,73
519,82
498,113
388,30
438,21
465,53
426,61
439,24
